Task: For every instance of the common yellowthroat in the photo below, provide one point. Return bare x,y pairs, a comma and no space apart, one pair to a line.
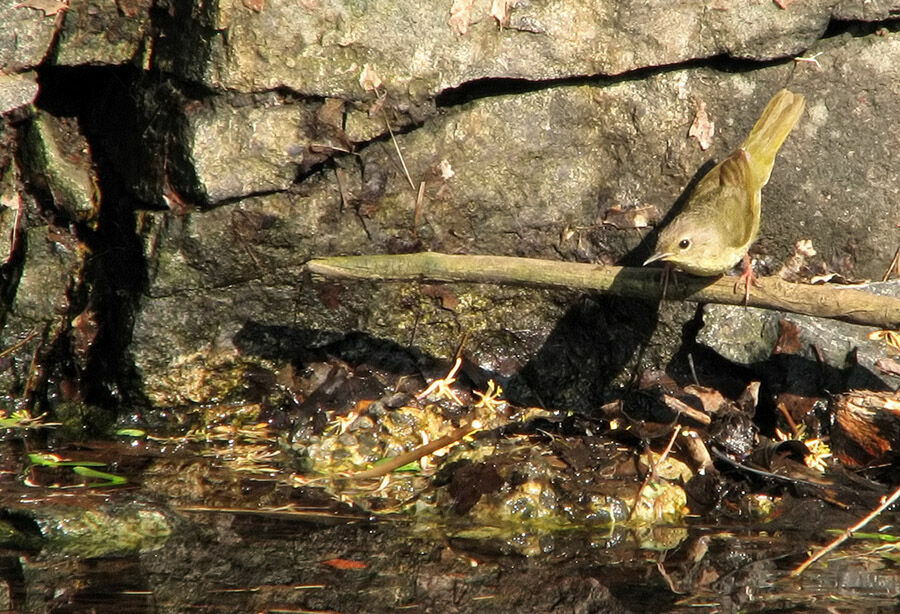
720,220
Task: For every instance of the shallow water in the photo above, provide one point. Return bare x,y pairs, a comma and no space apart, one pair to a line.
194,530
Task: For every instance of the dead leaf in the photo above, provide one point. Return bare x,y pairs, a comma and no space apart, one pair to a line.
331,113
796,409
891,337
48,7
889,366
344,564
129,8
836,278
449,300
707,578
12,201
711,399
749,398
783,4
866,429
330,295
789,338
330,129
84,332
460,12
369,79
500,11
254,5
702,129
635,217
802,263
376,107
805,247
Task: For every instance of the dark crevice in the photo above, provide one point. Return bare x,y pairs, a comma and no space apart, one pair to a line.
383,138
490,87
108,116
862,28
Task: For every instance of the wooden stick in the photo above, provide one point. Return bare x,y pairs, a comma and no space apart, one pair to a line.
848,533
825,301
415,454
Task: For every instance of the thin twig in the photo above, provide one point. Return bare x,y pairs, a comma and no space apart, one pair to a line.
651,475
397,147
417,210
895,264
848,533
13,348
342,188
439,387
693,369
415,454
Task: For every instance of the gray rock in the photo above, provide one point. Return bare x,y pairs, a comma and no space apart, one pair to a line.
17,90
529,174
321,48
747,336
104,33
231,135
49,273
37,316
59,162
239,151
26,35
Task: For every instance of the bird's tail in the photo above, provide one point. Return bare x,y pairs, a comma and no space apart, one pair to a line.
770,131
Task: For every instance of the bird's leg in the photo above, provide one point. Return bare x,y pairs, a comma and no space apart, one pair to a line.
666,273
669,275
748,277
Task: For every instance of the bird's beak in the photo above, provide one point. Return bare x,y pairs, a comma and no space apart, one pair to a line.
657,256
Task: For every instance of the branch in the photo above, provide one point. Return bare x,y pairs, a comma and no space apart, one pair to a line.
825,301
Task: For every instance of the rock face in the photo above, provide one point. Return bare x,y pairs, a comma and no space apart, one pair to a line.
181,161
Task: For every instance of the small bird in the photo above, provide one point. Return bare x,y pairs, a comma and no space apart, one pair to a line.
720,220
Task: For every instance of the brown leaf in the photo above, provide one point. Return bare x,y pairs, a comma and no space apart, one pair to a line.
254,5
449,300
796,409
84,331
866,429
800,265
344,564
48,7
711,398
635,217
330,295
460,12
749,398
331,113
702,129
889,366
330,118
789,339
129,8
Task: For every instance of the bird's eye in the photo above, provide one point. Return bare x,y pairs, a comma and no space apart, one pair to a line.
684,243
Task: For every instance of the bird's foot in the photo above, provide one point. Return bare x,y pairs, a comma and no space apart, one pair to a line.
748,277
